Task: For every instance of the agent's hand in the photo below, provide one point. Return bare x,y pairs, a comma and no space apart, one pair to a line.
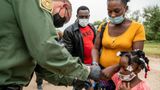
95,72
124,86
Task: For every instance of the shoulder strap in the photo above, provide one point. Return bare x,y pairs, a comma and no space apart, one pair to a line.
102,29
101,33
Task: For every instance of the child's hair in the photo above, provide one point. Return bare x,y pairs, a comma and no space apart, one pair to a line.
137,56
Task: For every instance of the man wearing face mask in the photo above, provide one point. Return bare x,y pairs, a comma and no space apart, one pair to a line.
79,37
28,37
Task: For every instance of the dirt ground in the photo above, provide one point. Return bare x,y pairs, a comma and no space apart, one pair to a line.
153,78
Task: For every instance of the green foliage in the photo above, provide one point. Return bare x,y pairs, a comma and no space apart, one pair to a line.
97,23
136,15
152,22
151,48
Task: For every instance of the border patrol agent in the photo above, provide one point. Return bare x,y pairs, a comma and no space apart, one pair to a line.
28,37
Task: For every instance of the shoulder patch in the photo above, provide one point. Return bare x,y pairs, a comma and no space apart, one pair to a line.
46,5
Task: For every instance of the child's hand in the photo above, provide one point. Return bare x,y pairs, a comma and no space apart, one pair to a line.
124,86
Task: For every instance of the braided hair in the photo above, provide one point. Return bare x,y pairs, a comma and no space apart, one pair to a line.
137,56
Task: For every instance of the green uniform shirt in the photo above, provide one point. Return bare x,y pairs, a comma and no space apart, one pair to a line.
27,37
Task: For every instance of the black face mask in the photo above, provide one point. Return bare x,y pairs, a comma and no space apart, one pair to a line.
58,20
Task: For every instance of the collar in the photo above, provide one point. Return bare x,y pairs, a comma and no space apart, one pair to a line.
75,26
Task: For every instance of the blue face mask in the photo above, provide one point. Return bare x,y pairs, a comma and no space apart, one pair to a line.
116,20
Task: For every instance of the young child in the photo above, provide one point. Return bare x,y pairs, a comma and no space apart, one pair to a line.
131,63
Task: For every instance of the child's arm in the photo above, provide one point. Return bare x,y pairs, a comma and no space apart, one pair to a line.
110,71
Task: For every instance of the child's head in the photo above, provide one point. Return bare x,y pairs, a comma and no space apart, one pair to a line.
132,63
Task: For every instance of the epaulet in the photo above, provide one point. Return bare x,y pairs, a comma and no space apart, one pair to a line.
46,5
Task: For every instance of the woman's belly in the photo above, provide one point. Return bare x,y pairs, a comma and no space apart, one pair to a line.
109,58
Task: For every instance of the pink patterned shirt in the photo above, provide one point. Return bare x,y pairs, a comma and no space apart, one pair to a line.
140,86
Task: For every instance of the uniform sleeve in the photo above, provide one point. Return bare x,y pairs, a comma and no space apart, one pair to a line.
54,78
39,34
140,34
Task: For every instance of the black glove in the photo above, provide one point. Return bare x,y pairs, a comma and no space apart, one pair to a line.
79,84
95,72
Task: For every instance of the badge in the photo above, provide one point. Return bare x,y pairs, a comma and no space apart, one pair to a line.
46,5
